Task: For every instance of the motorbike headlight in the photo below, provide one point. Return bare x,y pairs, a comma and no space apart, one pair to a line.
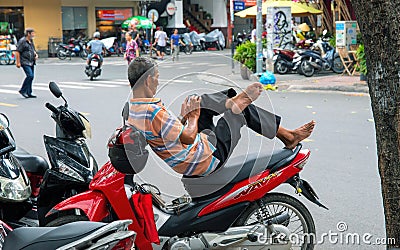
67,170
14,190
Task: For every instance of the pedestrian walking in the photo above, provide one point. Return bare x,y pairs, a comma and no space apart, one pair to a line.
161,41
26,58
132,49
175,41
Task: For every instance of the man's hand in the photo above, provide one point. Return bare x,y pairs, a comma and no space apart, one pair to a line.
193,108
36,56
18,65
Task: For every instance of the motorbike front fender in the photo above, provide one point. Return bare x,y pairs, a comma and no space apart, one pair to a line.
92,203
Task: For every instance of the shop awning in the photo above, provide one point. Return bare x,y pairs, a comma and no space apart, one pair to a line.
298,9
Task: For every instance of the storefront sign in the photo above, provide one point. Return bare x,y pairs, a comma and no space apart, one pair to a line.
114,15
250,2
171,8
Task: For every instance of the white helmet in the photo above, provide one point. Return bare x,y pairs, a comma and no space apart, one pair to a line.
96,34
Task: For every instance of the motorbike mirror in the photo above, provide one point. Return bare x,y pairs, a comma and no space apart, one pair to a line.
324,32
4,122
55,89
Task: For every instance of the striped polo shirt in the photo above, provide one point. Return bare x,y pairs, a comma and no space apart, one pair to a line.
162,131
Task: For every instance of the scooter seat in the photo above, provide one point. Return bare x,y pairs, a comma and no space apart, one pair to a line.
31,163
238,169
33,238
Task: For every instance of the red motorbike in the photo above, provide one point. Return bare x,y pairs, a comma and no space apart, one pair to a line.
232,207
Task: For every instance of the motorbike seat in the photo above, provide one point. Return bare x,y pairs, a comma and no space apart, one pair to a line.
237,169
31,163
30,238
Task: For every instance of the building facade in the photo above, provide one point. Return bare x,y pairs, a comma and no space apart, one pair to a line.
64,18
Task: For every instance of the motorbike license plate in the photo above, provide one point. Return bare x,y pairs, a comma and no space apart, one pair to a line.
275,57
94,63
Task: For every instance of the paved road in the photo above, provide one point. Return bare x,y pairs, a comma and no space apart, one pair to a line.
342,167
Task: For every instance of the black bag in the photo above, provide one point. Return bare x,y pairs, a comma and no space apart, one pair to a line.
127,148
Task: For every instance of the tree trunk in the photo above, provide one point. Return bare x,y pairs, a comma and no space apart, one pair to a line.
379,22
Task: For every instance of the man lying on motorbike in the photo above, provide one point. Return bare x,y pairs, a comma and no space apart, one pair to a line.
192,144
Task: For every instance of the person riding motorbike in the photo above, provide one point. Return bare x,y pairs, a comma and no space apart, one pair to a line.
191,144
95,46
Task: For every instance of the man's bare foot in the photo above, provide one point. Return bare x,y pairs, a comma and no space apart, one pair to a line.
238,103
292,137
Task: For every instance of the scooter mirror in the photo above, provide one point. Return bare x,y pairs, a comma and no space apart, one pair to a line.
4,122
324,32
55,89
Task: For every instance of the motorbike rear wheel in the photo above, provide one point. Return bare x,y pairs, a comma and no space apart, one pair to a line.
66,219
337,66
306,68
61,54
300,222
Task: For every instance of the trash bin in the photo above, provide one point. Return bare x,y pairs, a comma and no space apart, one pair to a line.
52,46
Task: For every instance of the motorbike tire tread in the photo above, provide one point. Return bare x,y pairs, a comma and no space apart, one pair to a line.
66,219
284,198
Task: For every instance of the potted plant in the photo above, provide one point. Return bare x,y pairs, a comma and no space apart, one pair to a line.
362,68
245,54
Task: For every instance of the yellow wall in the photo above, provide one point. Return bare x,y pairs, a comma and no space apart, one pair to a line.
92,4
45,17
11,3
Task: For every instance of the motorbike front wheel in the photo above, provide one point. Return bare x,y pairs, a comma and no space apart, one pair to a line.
306,68
65,220
300,223
4,59
83,54
188,50
280,66
337,66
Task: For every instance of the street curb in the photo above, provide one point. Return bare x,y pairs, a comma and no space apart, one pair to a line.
358,88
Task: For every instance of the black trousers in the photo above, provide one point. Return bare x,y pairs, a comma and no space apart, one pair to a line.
225,134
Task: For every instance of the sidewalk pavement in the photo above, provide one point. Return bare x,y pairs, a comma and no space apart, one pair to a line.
325,83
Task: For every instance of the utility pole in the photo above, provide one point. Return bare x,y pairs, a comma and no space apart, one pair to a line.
259,53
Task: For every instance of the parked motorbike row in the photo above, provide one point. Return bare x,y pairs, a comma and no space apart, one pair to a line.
321,56
233,207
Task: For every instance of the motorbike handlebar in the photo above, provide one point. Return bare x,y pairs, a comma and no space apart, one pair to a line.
51,108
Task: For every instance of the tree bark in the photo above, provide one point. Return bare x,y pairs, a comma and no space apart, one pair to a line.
379,22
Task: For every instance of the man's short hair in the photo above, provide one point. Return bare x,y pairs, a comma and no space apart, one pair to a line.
28,31
139,69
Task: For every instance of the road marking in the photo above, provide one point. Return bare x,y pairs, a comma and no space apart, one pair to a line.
7,91
19,86
90,84
126,83
8,104
64,86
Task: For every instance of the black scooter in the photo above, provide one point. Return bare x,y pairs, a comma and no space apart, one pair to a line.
93,69
321,57
28,187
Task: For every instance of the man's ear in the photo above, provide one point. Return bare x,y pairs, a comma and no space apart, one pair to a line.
147,82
